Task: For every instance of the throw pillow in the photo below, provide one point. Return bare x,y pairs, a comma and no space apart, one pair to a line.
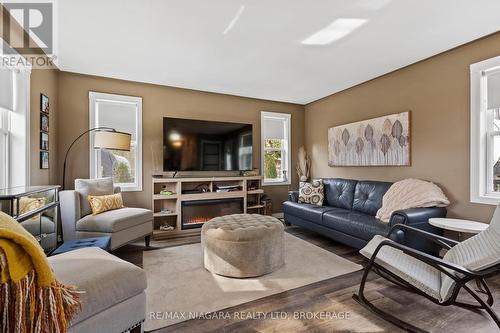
27,204
103,203
312,192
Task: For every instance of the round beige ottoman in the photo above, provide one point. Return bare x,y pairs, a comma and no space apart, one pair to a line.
243,245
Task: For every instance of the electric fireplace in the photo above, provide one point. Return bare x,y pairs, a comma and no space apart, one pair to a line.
197,212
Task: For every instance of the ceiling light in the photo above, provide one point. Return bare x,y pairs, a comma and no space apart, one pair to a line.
234,20
334,31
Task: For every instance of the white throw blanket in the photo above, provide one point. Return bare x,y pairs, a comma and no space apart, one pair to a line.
411,193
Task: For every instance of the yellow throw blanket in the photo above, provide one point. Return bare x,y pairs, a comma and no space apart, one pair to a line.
31,299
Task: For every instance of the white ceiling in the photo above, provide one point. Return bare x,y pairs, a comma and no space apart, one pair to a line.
261,48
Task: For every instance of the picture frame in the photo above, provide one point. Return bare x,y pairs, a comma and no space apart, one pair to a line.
44,141
44,160
44,104
44,122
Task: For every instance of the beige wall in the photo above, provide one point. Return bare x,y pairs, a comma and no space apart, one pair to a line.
43,81
158,102
437,92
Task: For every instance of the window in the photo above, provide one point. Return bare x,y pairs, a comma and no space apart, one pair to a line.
14,125
245,151
6,107
4,147
485,131
124,114
275,143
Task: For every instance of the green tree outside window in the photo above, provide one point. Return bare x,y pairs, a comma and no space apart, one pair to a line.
272,158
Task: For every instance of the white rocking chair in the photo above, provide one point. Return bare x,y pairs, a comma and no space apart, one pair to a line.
438,279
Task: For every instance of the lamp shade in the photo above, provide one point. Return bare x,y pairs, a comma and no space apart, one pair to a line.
112,140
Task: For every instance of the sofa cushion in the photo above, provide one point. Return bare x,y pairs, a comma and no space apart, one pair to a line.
355,224
114,220
309,212
339,192
105,279
86,187
368,196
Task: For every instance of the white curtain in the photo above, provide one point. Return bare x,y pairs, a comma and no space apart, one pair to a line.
494,91
273,128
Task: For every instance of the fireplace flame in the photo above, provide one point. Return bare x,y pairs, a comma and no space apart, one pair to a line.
198,219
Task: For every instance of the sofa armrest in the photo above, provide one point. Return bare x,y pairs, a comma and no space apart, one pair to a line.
293,196
416,215
70,213
419,218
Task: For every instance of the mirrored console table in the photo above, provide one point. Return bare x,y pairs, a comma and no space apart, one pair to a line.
36,208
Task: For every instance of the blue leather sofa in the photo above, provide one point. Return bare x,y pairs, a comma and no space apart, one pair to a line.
348,214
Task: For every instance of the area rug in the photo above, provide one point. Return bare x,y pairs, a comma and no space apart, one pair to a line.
180,288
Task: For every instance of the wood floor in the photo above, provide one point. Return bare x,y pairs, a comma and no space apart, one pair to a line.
291,310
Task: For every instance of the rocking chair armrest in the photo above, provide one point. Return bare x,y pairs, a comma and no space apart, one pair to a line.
439,240
435,262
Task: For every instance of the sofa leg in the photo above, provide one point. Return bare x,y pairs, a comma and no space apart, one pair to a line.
147,239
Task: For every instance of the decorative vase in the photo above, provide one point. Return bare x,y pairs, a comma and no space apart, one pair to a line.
303,165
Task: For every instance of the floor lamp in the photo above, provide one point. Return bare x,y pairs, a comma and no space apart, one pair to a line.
104,138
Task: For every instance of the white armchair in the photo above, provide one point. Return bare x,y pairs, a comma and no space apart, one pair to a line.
122,225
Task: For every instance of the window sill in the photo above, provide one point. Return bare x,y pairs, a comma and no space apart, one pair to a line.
486,200
129,189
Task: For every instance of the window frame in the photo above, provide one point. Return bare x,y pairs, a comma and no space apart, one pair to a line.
5,131
17,170
285,150
95,97
482,134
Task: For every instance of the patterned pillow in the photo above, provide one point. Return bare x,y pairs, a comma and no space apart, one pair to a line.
312,192
27,204
103,203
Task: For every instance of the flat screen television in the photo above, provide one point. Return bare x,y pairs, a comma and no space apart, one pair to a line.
199,145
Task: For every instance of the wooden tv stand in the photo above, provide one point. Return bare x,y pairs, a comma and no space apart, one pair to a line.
185,189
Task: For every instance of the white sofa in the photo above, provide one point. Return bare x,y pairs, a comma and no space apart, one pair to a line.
122,225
